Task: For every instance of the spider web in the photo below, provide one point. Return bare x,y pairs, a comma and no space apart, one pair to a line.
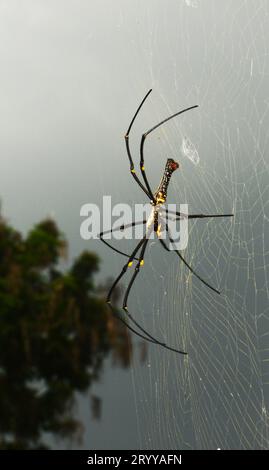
82,72
217,396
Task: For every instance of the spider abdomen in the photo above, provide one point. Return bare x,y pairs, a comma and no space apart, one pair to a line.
161,192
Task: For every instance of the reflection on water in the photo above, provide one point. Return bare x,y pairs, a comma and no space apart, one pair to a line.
55,332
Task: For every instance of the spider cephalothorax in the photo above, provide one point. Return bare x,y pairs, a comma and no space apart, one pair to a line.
152,225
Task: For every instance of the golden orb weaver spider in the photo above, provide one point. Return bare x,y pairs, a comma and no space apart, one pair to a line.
157,199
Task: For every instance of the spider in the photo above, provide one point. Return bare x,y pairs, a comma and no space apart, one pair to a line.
157,200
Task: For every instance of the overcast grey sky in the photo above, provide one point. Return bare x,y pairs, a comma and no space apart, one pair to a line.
72,74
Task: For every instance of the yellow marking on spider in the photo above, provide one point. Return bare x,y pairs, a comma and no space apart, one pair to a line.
142,262
159,230
132,171
160,200
130,264
143,168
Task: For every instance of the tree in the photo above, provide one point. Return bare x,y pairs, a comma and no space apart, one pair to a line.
55,332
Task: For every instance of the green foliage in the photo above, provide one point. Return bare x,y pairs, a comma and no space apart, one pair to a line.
55,332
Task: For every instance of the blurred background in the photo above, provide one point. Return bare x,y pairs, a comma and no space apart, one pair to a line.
72,75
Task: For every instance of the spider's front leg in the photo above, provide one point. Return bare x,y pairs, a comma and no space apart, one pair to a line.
148,337
137,269
128,290
124,269
184,261
145,334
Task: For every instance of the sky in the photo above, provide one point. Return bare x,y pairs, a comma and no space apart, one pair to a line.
72,75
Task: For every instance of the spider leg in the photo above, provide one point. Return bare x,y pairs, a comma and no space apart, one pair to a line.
185,262
124,269
142,336
115,313
136,272
124,306
144,136
196,216
143,243
132,170
121,227
148,336
137,268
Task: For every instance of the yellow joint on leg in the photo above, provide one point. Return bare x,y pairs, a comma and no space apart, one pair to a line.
142,262
132,171
130,264
143,168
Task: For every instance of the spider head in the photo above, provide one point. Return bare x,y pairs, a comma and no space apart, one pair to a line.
171,165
